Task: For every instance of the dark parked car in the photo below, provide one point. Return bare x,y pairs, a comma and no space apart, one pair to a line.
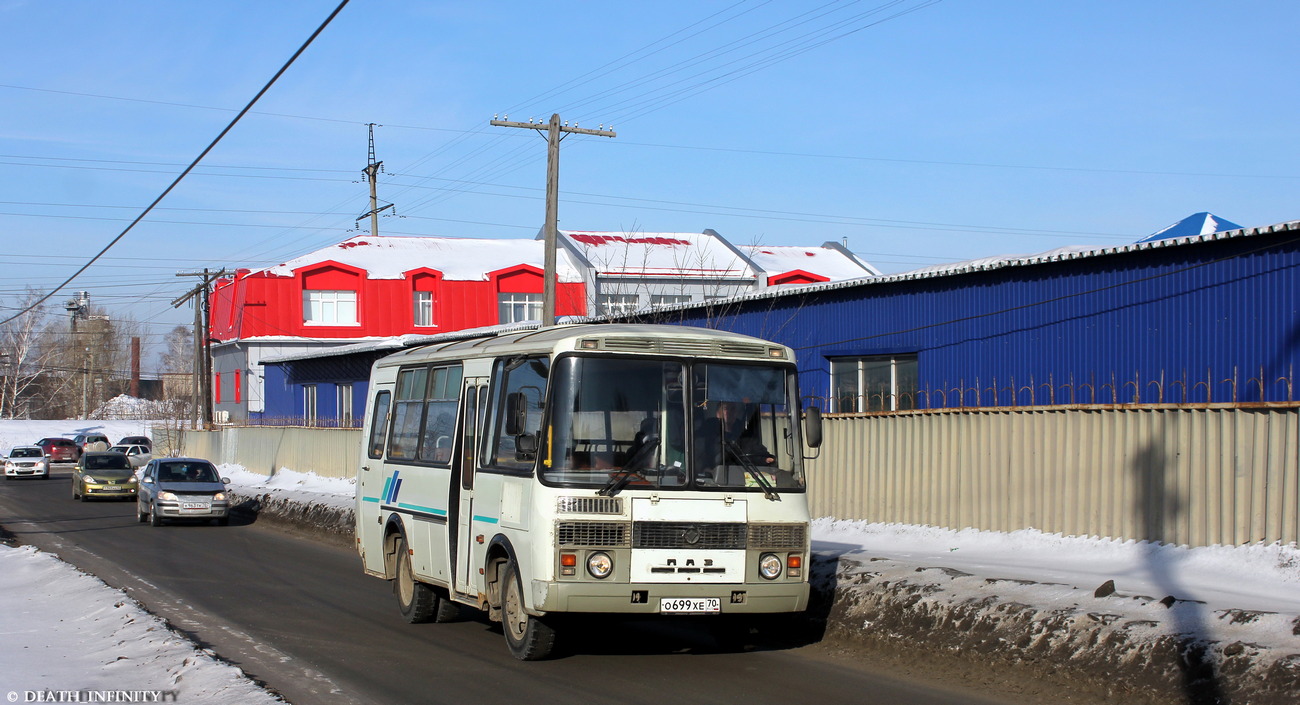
60,450
136,441
103,475
182,488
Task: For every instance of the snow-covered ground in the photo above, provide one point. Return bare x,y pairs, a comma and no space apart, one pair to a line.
65,636
70,633
17,432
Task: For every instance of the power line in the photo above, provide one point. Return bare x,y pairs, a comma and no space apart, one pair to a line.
197,159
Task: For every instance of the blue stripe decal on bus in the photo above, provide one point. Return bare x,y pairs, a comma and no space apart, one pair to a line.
397,487
486,520
388,483
418,508
370,499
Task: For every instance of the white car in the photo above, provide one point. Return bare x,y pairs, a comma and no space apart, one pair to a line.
138,455
27,461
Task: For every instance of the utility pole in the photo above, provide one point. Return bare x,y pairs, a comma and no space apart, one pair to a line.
554,133
201,384
372,175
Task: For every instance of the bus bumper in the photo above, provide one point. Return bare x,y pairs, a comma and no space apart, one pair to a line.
644,598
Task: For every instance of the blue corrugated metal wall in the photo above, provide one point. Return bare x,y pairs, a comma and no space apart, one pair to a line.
1204,322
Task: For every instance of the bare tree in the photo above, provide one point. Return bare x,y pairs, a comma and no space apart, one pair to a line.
26,358
178,351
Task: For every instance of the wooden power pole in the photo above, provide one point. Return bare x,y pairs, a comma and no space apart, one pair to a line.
201,385
554,133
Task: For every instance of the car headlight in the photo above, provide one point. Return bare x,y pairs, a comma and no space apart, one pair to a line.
219,496
600,565
769,566
88,478
169,496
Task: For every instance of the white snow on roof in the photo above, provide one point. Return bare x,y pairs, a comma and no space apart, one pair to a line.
779,259
659,254
464,259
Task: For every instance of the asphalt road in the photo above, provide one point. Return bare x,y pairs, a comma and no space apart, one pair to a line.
301,617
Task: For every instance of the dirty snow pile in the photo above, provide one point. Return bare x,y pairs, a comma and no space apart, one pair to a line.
1223,594
68,637
292,486
123,406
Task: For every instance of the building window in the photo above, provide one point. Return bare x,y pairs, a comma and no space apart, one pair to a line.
344,409
614,304
422,309
669,299
874,383
517,308
309,404
329,308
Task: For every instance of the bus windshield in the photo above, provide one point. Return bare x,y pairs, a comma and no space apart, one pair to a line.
670,424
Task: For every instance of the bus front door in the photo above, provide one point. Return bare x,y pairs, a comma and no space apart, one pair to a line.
473,400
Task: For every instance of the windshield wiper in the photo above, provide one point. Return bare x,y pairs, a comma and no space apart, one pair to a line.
768,491
629,469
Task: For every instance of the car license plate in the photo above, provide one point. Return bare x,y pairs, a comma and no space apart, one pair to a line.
689,605
194,505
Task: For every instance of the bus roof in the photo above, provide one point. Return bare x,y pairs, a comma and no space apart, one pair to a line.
631,338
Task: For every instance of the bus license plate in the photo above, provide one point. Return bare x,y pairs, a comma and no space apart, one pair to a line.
689,605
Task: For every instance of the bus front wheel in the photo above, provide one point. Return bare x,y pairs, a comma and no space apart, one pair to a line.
529,638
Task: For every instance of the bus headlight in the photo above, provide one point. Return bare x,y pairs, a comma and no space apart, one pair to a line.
600,565
769,566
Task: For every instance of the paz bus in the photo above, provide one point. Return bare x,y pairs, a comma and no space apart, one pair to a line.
597,468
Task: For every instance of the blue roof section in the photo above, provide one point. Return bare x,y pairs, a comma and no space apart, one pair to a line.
1202,223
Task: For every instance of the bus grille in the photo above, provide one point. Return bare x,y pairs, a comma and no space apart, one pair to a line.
779,536
591,533
684,534
589,505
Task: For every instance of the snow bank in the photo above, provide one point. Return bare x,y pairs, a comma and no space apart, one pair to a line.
64,630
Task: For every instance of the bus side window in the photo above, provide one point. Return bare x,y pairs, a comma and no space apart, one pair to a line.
379,425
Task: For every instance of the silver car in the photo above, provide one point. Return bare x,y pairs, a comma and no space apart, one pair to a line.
182,488
138,455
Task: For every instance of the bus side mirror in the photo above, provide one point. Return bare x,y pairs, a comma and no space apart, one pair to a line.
812,427
516,413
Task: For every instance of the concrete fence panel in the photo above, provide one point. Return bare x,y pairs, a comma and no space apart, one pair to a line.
1183,475
328,452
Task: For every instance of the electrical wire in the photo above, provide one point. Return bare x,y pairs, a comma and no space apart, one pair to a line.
197,159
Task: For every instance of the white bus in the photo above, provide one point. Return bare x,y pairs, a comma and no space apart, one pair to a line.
633,469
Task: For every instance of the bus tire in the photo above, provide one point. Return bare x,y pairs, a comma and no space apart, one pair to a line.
416,600
529,638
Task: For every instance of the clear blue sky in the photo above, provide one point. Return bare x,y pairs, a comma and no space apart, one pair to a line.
961,129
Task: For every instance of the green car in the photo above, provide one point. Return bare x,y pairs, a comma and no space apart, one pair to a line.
103,474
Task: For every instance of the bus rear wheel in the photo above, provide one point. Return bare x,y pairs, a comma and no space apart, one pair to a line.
529,638
417,601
